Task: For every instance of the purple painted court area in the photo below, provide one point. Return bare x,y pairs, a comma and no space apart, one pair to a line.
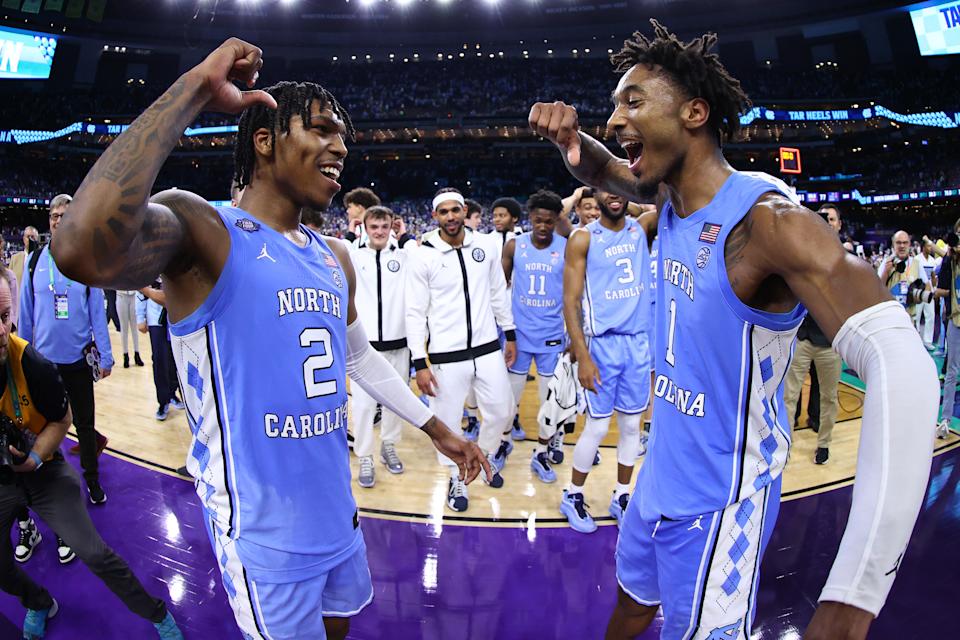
475,582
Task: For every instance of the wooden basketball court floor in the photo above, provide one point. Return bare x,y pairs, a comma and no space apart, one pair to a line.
510,567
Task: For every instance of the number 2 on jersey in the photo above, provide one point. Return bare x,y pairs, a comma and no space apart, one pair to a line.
314,363
670,333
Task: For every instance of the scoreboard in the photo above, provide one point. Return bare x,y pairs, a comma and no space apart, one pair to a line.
789,160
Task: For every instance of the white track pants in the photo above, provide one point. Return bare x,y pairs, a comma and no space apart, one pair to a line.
364,408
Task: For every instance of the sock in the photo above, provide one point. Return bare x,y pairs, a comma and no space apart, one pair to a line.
572,488
539,448
621,489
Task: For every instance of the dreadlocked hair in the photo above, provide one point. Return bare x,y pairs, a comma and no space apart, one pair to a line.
293,98
694,68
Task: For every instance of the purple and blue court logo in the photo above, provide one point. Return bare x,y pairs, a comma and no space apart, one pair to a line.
478,255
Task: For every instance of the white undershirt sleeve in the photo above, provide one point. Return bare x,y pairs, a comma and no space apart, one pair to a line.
374,374
896,446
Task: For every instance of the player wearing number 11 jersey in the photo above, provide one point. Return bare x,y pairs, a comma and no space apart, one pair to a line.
264,333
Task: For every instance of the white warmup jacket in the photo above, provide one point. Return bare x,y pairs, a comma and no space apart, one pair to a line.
380,295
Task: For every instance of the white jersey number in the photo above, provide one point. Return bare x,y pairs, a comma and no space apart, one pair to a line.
627,267
670,334
314,363
533,284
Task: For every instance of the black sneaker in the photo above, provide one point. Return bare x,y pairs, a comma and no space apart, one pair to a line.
555,448
126,361
457,495
95,491
137,360
64,553
29,538
823,454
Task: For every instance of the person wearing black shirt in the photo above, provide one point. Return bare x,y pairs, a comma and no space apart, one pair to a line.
34,417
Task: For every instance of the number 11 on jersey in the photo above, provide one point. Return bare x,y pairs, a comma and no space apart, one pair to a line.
670,333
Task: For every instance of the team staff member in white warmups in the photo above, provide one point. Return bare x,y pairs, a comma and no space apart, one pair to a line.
457,295
379,265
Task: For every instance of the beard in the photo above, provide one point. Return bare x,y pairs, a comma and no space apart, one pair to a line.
610,215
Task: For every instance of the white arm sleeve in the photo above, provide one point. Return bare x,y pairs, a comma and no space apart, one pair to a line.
371,371
896,447
417,300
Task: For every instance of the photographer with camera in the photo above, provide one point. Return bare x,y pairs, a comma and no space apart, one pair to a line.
904,276
34,417
947,276
66,322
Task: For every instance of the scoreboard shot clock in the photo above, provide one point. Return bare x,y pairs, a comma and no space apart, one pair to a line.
789,160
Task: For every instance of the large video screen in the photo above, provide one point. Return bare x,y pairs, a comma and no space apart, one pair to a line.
938,28
26,55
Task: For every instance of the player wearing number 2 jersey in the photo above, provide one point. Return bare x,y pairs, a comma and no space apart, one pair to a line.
265,330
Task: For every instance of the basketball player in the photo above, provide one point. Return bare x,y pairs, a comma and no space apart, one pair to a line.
606,297
474,214
533,262
264,333
457,295
506,219
379,266
737,254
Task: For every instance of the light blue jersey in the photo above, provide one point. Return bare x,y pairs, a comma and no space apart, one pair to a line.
261,365
721,433
616,291
654,258
537,294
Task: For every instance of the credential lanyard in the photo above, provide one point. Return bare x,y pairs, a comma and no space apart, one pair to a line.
14,396
50,269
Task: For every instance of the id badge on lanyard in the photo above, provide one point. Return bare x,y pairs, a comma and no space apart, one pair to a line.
61,301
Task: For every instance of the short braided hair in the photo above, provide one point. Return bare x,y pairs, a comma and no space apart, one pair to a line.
293,98
693,68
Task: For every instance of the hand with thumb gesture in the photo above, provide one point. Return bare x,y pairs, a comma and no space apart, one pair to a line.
233,61
558,123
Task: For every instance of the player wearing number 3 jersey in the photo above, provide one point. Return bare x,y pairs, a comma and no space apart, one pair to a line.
264,333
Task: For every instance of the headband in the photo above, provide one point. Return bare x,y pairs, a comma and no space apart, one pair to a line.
448,195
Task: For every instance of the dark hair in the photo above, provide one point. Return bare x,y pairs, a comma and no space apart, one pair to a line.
544,199
293,98
830,205
234,191
361,196
311,217
378,213
473,207
447,190
693,68
510,205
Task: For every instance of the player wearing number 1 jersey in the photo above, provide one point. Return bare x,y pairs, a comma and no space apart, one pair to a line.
739,260
265,329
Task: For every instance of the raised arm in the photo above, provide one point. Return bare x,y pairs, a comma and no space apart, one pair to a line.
876,337
587,159
130,239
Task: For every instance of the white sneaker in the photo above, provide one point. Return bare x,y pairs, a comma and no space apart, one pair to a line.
64,553
366,478
942,430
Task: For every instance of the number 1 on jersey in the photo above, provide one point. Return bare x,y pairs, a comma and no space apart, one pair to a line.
673,328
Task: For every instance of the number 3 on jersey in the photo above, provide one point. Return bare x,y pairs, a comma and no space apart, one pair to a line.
314,363
670,333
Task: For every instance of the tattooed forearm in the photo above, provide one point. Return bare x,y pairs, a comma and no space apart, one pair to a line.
737,241
109,219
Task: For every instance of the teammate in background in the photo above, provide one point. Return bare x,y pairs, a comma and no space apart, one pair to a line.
356,201
253,295
606,288
737,255
506,219
456,294
379,266
583,202
533,262
474,214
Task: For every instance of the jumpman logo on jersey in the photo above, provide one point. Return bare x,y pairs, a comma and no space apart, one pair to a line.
896,566
264,254
696,524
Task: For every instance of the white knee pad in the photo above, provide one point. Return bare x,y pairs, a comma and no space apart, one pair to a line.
586,450
628,446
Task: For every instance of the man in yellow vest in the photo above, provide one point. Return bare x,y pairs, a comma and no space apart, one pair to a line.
34,417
